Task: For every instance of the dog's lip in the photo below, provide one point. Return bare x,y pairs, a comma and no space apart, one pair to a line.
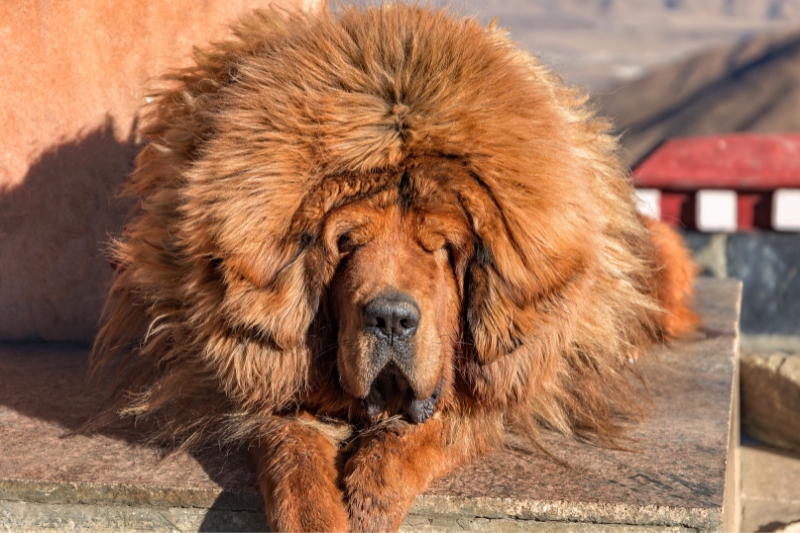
389,382
421,410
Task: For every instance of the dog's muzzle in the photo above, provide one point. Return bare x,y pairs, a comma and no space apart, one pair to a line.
393,320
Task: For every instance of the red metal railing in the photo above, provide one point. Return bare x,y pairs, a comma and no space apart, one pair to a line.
687,180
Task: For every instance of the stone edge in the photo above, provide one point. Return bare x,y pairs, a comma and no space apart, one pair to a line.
53,493
732,500
703,519
127,495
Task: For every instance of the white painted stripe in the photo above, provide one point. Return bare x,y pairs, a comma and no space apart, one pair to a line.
786,210
716,211
648,202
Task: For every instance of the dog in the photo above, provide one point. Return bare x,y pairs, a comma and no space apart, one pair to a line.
369,241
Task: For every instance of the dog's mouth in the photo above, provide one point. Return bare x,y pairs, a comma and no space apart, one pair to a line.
392,393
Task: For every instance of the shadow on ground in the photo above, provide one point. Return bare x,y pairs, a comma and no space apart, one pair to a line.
53,281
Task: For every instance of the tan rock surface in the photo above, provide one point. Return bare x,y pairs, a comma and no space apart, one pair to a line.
771,398
74,77
770,489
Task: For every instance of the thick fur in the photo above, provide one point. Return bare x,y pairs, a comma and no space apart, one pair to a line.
316,156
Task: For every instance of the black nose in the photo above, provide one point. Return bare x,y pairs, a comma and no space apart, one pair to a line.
391,318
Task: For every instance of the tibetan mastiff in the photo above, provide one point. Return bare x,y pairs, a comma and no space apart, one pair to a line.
366,243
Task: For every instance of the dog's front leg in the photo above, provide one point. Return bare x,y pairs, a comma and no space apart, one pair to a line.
296,464
392,467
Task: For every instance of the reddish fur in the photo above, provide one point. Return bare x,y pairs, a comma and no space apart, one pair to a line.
461,171
673,279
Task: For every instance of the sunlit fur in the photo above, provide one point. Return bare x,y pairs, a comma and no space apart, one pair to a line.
315,160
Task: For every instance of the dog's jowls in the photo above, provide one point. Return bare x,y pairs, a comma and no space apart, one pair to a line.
369,241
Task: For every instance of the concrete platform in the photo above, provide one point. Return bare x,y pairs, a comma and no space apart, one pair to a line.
770,488
682,474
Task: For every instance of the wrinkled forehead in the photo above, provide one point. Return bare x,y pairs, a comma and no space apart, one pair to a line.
421,200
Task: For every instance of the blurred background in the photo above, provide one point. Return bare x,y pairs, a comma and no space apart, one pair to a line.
645,61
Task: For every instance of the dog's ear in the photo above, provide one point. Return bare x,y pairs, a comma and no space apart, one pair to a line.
268,294
276,258
510,305
527,261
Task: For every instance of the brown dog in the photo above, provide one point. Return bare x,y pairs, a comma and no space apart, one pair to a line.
368,242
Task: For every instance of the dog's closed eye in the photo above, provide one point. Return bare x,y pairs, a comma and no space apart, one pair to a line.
345,243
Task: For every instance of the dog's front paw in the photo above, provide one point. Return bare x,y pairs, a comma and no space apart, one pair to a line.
382,479
299,481
374,489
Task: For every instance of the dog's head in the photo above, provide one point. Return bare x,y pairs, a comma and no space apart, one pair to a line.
416,265
411,171
398,292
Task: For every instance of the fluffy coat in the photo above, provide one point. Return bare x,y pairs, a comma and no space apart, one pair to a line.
223,303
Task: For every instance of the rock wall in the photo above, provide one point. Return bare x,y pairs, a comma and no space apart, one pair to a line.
767,263
73,77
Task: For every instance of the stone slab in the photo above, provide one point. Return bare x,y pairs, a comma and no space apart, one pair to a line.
678,475
771,398
770,487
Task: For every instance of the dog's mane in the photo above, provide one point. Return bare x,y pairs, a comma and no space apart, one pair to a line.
222,269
